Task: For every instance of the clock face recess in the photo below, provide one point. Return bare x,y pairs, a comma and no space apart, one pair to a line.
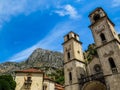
99,27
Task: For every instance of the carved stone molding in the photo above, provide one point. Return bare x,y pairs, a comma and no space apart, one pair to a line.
99,31
67,49
108,54
69,69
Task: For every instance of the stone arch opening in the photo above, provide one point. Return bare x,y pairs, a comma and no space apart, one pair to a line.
94,85
96,17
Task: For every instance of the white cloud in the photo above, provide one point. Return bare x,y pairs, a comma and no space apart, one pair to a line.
23,55
10,8
49,42
116,3
67,10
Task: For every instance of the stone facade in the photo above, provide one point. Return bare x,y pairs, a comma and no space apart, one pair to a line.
91,66
107,43
102,73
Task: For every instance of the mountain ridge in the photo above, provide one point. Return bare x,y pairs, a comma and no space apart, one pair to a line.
46,60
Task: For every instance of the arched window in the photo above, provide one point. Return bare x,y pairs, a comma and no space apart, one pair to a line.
112,65
102,36
75,36
68,55
70,76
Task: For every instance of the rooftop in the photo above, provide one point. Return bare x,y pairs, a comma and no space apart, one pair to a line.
31,70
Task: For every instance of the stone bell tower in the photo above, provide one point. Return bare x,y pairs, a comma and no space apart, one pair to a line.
108,47
74,64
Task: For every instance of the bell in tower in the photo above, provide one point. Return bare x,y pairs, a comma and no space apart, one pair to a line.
97,15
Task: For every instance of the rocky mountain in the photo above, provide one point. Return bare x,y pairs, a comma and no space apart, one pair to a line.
46,60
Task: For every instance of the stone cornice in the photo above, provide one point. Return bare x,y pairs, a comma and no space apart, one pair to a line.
74,60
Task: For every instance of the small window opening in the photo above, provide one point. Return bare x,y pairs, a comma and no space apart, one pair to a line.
75,36
68,37
78,51
102,36
68,55
70,76
112,65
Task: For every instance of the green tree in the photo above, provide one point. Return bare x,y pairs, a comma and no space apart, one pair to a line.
8,79
4,85
58,76
90,52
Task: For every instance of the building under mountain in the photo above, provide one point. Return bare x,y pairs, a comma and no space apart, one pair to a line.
34,79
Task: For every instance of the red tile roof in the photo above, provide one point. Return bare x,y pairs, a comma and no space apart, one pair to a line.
31,70
59,87
47,78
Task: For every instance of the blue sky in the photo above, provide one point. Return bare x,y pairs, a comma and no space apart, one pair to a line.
29,24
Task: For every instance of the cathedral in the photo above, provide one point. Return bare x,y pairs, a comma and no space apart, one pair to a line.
103,72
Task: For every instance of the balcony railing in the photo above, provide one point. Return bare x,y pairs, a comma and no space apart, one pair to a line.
28,82
98,76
